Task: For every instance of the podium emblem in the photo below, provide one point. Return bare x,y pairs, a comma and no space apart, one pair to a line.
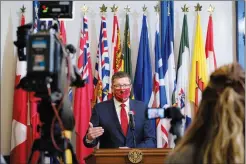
135,156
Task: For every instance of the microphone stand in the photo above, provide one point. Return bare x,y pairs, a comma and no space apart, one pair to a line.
133,134
132,127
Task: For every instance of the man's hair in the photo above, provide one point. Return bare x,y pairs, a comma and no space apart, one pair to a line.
218,128
119,75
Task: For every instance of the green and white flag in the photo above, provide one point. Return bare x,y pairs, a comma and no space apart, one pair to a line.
183,69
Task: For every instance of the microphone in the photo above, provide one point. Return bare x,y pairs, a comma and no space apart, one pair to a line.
132,127
131,120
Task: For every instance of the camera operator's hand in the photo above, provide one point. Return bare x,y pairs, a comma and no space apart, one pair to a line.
94,132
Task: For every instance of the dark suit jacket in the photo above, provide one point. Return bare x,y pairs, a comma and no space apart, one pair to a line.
104,115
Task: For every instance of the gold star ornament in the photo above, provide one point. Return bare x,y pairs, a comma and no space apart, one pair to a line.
211,9
23,9
198,7
114,8
157,8
144,8
85,9
103,9
185,9
127,9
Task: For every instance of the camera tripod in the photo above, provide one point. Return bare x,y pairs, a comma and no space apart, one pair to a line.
62,151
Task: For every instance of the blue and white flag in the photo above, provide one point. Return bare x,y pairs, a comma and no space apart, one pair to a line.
158,97
169,68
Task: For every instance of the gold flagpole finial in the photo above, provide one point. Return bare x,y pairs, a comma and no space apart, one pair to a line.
103,9
198,7
144,9
84,9
114,9
185,9
211,9
157,8
127,9
23,9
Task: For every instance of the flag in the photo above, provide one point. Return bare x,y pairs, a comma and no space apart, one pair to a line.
143,76
169,68
36,22
158,97
82,98
210,55
198,75
102,68
19,144
166,7
181,95
169,64
127,51
117,56
63,33
142,86
87,51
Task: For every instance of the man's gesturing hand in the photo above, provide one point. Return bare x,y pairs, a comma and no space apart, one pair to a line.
94,132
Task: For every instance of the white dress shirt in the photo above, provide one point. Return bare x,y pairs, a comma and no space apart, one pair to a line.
118,108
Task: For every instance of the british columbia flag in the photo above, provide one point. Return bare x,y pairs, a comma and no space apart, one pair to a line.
102,69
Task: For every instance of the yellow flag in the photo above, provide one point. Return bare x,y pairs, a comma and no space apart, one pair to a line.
198,75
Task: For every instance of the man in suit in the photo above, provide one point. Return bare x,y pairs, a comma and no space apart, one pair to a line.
110,119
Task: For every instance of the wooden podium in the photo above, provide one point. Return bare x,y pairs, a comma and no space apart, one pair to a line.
120,156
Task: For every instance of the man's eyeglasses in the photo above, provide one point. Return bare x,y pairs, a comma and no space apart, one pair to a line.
122,86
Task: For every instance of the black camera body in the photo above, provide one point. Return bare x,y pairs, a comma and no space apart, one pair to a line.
48,61
44,61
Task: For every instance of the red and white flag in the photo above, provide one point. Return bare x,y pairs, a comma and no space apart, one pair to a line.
19,145
117,56
209,47
83,96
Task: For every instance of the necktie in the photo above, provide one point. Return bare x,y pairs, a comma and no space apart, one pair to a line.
123,118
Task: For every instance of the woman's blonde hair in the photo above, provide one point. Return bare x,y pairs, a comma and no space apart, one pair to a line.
217,132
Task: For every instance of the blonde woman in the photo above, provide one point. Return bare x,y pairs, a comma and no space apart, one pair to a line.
217,133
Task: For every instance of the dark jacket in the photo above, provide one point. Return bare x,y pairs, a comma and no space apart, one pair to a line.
104,115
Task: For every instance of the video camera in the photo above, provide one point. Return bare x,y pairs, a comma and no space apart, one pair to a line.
49,74
172,113
48,61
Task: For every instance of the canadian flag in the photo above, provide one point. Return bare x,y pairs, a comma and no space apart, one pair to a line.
19,144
